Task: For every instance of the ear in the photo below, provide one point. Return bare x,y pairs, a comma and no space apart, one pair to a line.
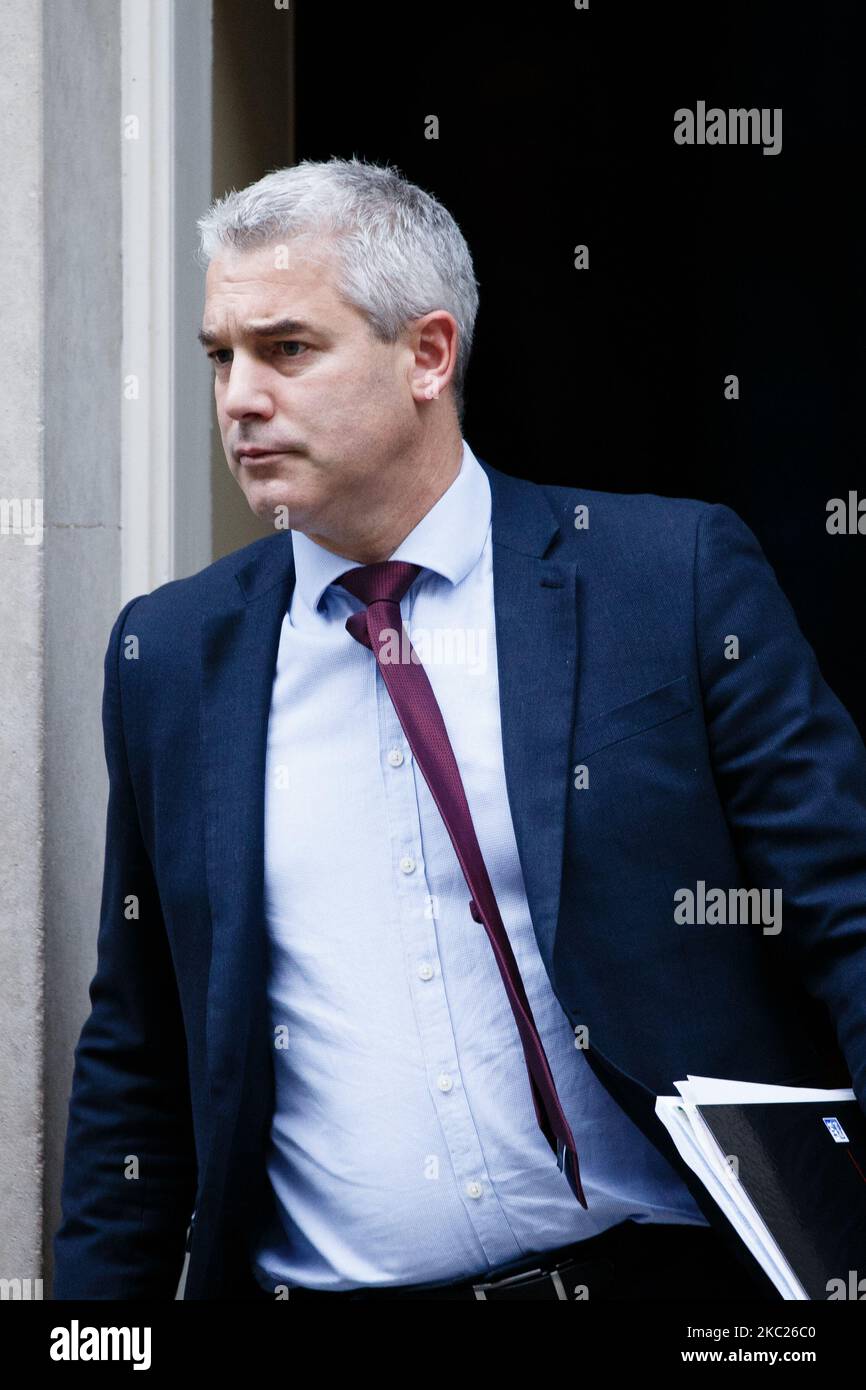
433,343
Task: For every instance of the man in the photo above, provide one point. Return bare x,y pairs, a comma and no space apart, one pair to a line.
403,801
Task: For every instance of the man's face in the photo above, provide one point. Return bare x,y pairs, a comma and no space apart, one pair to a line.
298,374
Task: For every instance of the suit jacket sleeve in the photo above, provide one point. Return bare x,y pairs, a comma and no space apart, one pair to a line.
129,1169
790,766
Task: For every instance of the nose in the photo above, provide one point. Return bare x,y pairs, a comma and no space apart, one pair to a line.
246,390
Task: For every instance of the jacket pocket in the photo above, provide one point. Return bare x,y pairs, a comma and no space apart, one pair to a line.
646,712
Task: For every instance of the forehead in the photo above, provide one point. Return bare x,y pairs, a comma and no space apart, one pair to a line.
285,279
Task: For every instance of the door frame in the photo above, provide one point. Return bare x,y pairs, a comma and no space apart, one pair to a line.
166,392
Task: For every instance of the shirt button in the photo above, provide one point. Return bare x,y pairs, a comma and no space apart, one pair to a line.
426,971
407,863
444,1082
395,757
473,1189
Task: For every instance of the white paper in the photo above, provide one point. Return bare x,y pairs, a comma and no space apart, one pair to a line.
699,1149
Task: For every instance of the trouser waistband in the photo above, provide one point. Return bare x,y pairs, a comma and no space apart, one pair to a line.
644,1241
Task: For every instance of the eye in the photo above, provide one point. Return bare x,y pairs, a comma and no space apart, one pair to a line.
215,356
290,342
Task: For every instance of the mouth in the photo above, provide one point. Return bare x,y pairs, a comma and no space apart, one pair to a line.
251,456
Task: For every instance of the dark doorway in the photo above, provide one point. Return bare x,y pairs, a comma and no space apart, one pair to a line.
556,129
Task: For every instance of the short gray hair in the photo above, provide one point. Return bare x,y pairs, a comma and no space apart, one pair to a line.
400,253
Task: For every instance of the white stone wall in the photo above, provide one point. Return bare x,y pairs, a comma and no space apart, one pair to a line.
60,283
22,667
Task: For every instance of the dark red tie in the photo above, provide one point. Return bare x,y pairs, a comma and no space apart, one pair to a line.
380,628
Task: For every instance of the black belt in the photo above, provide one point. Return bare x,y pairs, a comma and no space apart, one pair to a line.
552,1274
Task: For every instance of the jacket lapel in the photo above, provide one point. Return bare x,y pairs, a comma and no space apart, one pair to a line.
535,603
240,641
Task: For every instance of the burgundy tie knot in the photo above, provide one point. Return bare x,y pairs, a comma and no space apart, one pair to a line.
388,580
384,582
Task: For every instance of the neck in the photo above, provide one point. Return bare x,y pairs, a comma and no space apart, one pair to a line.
375,533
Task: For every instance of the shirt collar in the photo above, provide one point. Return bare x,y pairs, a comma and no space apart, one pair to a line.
448,539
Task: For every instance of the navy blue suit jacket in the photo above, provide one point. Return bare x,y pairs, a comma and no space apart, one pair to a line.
611,645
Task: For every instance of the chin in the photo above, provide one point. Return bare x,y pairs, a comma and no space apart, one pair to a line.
265,501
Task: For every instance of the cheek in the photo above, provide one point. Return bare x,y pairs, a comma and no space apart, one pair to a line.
336,399
364,375
222,419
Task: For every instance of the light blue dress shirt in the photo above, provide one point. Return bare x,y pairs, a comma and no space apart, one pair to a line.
404,1144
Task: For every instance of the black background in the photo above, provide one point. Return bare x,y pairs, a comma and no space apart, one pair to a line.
556,128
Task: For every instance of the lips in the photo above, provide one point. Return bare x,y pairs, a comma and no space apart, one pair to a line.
259,455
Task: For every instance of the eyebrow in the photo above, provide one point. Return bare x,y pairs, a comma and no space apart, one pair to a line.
271,328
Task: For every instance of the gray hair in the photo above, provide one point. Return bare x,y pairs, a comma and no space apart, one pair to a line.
400,253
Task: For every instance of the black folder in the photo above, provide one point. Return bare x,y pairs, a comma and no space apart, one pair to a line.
803,1166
